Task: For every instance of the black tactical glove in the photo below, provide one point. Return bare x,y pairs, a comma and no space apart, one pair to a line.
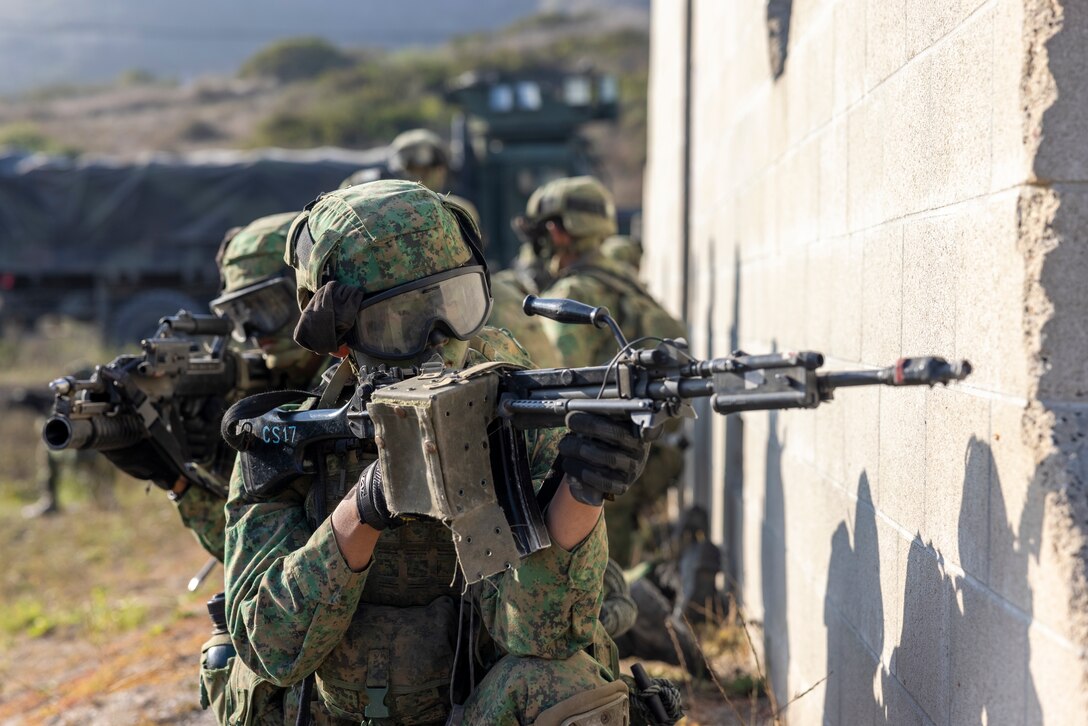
141,461
201,420
370,500
601,458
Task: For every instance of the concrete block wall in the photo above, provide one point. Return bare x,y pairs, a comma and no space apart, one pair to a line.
913,182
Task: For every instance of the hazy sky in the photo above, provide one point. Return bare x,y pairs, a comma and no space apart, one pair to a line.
78,41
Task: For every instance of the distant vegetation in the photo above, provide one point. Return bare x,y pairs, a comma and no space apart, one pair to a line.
25,136
364,101
296,59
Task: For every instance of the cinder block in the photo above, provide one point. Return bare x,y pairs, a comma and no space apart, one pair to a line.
882,295
953,139
1017,507
907,95
927,21
921,660
789,298
861,413
885,47
837,632
1064,121
898,706
901,490
797,198
892,586
748,147
959,461
806,581
849,64
990,294
930,272
833,180
860,671
1065,334
989,657
847,302
863,604
819,68
1010,163
829,456
1054,688
866,131
820,280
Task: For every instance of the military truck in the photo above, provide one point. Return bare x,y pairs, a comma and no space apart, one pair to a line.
517,131
125,242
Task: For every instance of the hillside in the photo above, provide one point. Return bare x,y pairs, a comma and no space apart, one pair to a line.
359,103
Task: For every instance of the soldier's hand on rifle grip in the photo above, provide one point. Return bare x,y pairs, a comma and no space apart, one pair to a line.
370,500
601,458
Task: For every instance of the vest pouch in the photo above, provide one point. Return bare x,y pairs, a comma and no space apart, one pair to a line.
235,694
214,682
393,663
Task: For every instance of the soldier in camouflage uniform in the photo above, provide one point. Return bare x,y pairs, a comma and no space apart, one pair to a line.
367,603
576,215
623,252
251,267
255,282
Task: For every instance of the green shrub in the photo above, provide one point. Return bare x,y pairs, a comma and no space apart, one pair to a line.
295,59
25,136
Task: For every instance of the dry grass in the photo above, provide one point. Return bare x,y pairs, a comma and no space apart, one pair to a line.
94,614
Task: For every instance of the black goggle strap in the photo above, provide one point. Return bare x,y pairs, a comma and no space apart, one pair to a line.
471,234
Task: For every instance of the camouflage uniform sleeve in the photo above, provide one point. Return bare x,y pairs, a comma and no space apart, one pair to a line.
290,594
548,606
580,345
202,512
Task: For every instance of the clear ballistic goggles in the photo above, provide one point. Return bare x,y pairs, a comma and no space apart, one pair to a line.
260,309
397,323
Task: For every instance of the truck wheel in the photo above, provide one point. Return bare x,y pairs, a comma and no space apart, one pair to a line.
138,317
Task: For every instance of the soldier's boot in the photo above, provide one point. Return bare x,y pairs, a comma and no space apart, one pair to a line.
48,476
658,633
699,599
44,507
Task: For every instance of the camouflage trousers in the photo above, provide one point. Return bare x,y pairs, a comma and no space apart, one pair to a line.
516,690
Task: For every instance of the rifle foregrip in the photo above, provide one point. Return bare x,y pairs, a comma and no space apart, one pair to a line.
100,433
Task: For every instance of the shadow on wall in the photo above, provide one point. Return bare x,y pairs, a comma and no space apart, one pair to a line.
778,34
854,616
776,640
960,658
734,460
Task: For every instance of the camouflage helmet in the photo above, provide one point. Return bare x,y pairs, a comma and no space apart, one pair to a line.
377,236
254,253
582,203
418,148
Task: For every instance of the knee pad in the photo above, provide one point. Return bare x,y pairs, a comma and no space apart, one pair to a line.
602,706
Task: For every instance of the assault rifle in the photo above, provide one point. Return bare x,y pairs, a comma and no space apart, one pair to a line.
450,443
184,372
